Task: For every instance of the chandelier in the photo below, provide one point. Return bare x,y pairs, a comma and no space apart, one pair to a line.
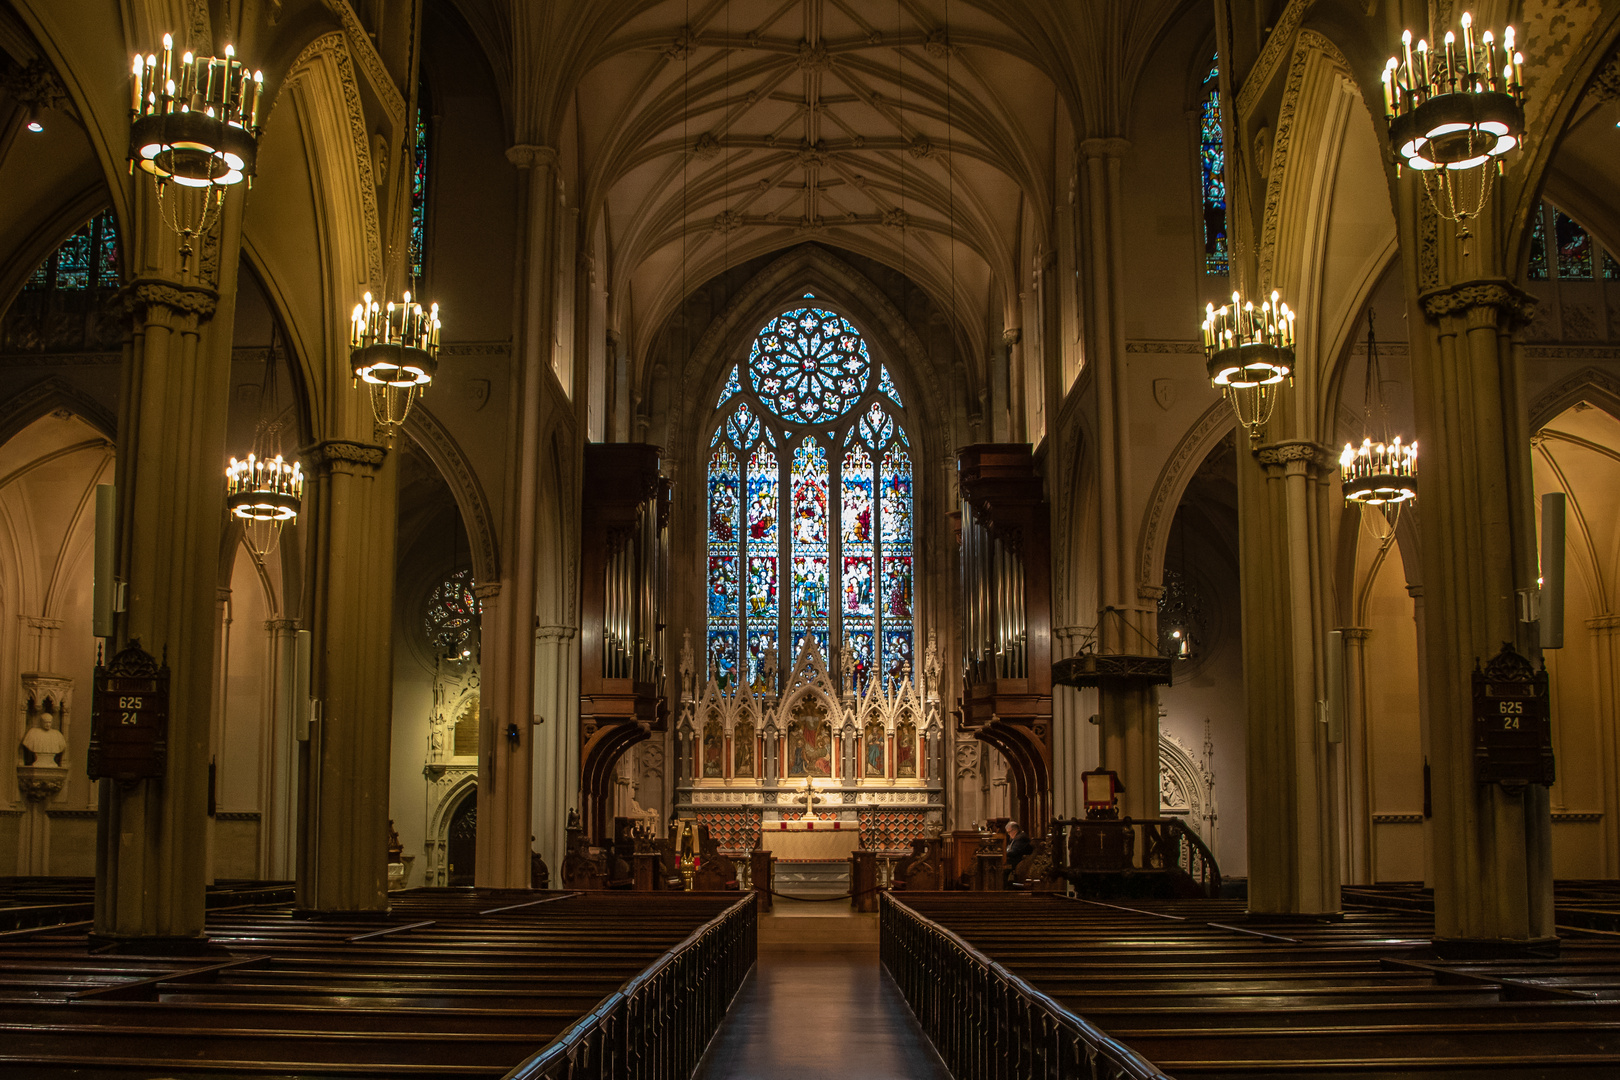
1383,471
194,123
264,495
264,492
1249,351
395,350
1453,110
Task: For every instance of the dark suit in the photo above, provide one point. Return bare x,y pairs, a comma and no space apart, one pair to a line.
1019,848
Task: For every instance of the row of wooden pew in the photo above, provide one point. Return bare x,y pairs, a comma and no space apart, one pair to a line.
1037,986
451,983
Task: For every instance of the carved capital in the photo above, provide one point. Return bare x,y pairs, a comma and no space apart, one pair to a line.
324,457
1012,336
1300,453
1355,633
553,635
1104,147
528,156
489,590
1604,624
285,626
166,302
1491,295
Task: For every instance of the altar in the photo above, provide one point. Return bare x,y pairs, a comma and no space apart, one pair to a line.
798,840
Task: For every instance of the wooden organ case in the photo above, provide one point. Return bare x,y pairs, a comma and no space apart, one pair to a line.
624,564
1007,618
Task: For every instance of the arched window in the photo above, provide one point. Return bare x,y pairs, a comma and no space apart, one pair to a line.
451,619
86,260
1212,170
1577,255
810,504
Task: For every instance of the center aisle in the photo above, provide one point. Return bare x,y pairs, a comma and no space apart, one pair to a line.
818,1006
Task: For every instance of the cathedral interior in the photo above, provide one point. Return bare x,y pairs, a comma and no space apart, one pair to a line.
495,451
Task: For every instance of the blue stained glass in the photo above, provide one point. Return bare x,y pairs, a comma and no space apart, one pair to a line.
762,588
857,587
723,587
897,587
1611,269
860,647
809,365
809,499
896,652
743,427
723,655
419,197
1574,248
763,485
733,387
896,502
886,384
876,428
1538,246
723,509
1212,167
760,642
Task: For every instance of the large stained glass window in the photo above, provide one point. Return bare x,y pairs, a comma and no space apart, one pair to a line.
810,505
1562,248
1212,169
86,260
451,619
1538,247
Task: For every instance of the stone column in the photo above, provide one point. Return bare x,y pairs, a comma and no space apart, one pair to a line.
1606,647
507,812
216,738
1492,844
1127,620
344,767
1358,846
1294,861
279,763
555,737
150,834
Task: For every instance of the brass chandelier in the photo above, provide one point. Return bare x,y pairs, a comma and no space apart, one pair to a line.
1453,112
1382,472
1248,353
194,123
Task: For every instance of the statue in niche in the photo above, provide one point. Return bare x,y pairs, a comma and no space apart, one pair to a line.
43,744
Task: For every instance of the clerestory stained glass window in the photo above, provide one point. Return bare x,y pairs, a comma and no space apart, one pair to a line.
1212,169
810,505
1538,246
1574,248
86,260
419,167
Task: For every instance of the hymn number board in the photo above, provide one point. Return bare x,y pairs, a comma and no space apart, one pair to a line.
130,722
1512,722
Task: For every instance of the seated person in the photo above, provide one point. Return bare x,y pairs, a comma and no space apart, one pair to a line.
1019,848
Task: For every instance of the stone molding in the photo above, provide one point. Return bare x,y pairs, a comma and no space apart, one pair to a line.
1356,633
1494,293
1397,819
553,635
1278,43
323,456
1188,348
1577,816
489,590
1604,624
530,156
441,446
273,625
1194,446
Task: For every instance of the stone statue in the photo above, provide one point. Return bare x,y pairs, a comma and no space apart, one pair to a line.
44,742
767,668
846,666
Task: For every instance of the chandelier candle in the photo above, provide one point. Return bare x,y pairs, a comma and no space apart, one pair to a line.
1248,346
395,344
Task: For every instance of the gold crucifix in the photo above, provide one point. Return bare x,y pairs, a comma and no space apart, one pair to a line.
809,798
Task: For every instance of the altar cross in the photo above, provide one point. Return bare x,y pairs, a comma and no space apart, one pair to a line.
809,798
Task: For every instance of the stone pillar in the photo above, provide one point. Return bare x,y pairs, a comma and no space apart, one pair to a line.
1606,648
555,737
1492,844
279,761
150,833
1358,865
508,813
216,726
1294,861
1127,620
344,766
